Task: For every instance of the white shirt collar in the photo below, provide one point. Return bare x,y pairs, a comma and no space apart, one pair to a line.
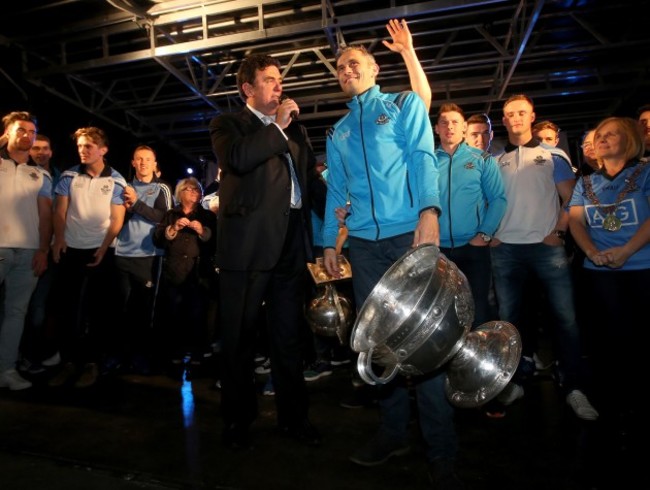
260,115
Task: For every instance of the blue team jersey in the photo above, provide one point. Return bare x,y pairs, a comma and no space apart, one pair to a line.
633,210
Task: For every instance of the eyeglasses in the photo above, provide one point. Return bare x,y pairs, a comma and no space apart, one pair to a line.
192,189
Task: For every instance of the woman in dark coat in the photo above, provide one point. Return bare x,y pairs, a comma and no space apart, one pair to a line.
187,234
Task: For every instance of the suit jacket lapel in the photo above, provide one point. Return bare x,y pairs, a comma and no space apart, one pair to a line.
248,117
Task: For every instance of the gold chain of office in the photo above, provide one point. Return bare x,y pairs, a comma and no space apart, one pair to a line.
611,221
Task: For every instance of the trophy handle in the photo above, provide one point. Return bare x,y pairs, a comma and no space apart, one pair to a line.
341,330
364,367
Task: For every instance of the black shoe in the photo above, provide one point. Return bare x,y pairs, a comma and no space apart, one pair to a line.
443,476
379,450
112,365
361,397
176,370
89,375
140,365
236,437
303,432
64,376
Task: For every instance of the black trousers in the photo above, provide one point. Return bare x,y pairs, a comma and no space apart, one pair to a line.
85,314
282,290
137,280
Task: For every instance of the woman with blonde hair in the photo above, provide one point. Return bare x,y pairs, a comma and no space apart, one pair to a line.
186,233
609,218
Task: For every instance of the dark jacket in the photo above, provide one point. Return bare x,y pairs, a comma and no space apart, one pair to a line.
187,257
255,188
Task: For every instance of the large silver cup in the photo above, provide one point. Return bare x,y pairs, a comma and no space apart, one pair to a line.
418,318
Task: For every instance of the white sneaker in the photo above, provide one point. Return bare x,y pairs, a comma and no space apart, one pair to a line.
264,368
511,393
14,381
581,406
268,387
53,360
540,365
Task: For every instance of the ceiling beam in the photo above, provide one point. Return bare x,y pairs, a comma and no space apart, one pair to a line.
224,41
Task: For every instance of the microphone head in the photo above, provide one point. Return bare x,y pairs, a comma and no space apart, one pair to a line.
294,114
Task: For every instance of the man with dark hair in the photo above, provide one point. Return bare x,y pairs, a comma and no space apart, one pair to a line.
268,180
472,187
37,347
26,224
41,153
479,132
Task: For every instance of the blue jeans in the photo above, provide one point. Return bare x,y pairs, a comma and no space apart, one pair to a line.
38,340
511,264
18,276
370,260
435,414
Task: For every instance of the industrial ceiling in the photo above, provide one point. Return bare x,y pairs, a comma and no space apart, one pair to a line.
160,70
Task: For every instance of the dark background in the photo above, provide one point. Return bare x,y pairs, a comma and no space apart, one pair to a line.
59,120
162,70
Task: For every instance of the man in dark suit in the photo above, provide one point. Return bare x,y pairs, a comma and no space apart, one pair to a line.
268,181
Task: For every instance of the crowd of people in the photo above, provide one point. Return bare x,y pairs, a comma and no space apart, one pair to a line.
100,272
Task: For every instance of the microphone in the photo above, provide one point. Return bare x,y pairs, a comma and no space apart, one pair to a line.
294,114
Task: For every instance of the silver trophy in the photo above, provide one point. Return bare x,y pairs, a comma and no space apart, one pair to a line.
418,318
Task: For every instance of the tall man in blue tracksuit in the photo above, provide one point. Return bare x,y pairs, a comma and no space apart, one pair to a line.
381,158
471,188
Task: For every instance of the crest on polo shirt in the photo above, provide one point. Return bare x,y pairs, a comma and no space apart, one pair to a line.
469,166
540,160
106,189
382,119
33,175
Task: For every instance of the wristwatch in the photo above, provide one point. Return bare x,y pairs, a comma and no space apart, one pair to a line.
486,238
561,234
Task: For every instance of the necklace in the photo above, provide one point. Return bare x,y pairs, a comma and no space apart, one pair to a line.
611,221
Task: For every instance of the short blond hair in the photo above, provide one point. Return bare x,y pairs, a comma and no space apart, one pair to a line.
184,184
515,97
355,47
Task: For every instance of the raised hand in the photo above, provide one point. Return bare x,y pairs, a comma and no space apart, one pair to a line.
400,34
